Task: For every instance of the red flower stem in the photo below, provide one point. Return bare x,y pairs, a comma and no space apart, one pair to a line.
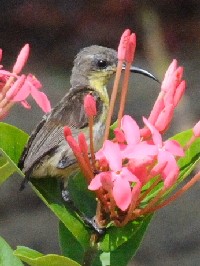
112,205
100,196
6,87
113,98
149,190
3,103
189,143
87,160
152,202
84,166
82,145
91,123
123,93
5,109
178,193
88,173
128,217
99,219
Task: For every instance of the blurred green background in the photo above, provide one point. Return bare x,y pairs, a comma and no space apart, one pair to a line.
56,30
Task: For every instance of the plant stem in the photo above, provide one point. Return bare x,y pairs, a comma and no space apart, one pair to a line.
113,98
92,251
123,94
91,124
177,194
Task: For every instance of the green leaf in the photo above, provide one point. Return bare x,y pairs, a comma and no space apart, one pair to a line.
7,167
103,259
116,236
123,254
70,247
83,198
6,255
112,128
120,256
34,258
49,191
192,156
12,141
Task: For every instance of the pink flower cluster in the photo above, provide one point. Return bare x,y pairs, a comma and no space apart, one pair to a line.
172,90
16,88
136,163
133,161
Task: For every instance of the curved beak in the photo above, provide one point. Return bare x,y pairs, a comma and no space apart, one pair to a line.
141,71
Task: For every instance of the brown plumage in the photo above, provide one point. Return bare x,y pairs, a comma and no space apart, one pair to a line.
47,153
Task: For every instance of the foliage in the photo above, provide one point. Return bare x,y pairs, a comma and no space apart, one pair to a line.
115,247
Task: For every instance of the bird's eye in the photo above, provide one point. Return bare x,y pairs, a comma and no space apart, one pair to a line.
102,64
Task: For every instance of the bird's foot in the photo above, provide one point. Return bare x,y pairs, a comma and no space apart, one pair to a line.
90,222
66,196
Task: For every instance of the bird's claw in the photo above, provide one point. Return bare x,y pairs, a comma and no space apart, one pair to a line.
90,222
66,196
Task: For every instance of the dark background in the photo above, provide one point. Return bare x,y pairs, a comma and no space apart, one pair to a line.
56,31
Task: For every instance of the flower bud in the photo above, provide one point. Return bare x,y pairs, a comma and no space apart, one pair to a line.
67,131
130,51
196,130
21,59
90,105
123,44
1,53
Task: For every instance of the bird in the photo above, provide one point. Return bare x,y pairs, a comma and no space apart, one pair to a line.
47,154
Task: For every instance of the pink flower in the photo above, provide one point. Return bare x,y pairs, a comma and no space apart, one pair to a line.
171,82
135,148
180,90
139,167
3,80
14,89
119,135
1,53
118,178
6,74
170,76
31,86
164,118
172,90
166,155
130,129
196,130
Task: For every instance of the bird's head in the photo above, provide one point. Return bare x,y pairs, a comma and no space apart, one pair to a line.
94,66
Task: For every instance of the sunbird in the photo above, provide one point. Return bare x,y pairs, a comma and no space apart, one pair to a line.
47,154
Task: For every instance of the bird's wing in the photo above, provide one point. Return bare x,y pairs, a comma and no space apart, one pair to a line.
49,133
